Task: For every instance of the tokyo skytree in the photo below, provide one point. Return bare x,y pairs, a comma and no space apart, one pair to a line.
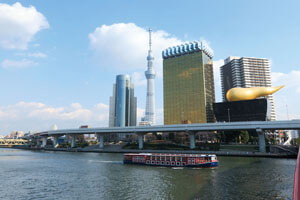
150,75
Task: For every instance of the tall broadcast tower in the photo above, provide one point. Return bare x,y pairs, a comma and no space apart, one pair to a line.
150,75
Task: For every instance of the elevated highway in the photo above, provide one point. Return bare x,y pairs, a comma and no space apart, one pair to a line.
12,142
191,129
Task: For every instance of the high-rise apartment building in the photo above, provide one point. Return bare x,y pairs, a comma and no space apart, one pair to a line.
122,106
188,80
247,72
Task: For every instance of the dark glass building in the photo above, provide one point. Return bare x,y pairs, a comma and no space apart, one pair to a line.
235,111
122,103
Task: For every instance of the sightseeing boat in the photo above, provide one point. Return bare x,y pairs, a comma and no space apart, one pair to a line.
171,160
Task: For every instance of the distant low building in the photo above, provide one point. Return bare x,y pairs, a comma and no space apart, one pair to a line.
85,126
144,123
16,134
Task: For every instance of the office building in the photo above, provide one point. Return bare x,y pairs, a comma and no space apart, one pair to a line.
188,80
122,106
247,72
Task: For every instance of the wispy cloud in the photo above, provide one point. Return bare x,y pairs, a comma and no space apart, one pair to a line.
28,115
138,79
37,55
33,55
217,78
287,99
6,64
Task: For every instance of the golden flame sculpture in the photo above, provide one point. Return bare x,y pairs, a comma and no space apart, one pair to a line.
240,94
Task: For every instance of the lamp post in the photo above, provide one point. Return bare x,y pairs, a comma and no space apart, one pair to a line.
228,111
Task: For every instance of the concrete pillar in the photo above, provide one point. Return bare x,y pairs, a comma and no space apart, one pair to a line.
55,140
44,141
73,141
192,140
101,140
141,141
38,142
261,140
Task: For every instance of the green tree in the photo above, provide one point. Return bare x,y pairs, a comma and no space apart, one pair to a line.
244,136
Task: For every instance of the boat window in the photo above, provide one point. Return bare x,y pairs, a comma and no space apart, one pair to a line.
173,158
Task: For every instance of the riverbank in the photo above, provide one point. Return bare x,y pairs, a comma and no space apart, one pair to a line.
218,153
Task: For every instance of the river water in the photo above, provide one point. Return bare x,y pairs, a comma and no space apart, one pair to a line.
64,175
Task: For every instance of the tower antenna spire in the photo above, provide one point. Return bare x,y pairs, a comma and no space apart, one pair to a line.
150,43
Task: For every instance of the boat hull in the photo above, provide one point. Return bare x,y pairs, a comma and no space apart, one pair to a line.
202,165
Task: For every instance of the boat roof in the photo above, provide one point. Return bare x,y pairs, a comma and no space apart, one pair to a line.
169,154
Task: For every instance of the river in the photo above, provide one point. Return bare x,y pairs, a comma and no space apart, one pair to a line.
64,175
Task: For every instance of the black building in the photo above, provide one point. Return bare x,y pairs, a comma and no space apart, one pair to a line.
250,110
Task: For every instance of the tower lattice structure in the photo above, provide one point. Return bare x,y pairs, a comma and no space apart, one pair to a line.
150,76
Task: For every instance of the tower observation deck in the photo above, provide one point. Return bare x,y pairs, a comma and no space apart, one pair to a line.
150,76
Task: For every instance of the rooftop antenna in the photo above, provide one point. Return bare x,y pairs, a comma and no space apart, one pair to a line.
150,30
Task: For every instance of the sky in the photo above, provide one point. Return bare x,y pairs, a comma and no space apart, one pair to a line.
59,59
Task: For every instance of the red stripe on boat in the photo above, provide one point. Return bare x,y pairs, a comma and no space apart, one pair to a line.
296,195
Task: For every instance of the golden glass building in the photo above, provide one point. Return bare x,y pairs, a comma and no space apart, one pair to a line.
188,79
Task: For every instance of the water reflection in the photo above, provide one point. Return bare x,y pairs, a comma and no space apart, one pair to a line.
60,175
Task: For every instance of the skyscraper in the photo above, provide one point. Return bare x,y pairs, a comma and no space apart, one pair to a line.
150,75
247,72
122,106
188,79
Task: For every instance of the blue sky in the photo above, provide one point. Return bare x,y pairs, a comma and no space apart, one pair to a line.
59,59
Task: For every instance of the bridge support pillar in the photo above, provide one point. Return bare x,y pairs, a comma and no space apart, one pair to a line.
55,140
192,140
141,140
73,141
101,140
44,141
261,140
38,142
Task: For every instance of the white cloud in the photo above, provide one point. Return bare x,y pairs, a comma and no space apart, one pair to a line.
287,99
217,78
140,112
34,115
138,79
17,63
37,55
290,79
21,24
124,47
101,106
34,55
160,116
